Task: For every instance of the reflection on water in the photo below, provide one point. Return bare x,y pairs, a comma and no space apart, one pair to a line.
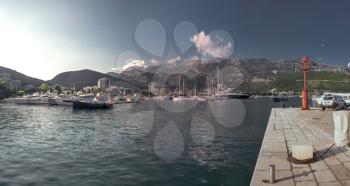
142,144
229,113
175,106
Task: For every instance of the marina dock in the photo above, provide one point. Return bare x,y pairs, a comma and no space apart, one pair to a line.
293,126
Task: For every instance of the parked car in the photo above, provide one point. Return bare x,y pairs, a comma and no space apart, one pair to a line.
335,102
347,100
318,100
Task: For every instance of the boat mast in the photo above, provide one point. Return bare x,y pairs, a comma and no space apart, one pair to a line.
183,86
218,81
218,76
179,85
207,85
195,90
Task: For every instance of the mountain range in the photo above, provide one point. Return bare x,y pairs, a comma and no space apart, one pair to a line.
249,75
239,74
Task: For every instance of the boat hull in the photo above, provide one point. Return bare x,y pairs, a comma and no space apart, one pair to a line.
60,102
280,99
39,101
91,105
239,96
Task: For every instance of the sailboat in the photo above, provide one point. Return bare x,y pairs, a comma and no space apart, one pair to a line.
225,93
181,92
195,97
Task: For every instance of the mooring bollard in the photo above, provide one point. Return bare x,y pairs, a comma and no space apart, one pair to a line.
272,173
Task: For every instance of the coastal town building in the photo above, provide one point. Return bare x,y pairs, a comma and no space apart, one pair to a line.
114,90
93,89
104,83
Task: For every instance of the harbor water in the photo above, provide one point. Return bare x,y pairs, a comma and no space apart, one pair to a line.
151,143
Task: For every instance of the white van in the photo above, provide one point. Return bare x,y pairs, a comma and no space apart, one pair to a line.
345,96
319,99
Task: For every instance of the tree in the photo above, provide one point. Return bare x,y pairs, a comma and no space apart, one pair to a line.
21,93
44,87
5,89
58,89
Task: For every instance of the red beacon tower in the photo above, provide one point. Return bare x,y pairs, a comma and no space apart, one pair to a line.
304,92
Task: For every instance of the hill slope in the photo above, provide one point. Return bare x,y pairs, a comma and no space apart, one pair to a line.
82,78
25,80
318,82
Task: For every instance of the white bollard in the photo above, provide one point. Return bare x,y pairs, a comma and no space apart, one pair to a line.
302,152
341,128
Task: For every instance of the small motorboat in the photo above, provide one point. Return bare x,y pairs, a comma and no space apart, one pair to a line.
280,98
92,105
98,102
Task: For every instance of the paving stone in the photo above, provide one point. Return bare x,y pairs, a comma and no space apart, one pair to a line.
340,172
274,147
278,159
303,174
346,182
331,160
306,183
283,178
319,165
347,165
323,176
336,183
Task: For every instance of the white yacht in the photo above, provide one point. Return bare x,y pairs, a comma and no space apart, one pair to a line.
35,99
90,101
62,99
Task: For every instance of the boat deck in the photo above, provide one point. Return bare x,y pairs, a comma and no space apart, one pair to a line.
293,126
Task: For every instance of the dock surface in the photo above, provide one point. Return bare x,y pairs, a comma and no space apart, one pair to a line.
293,126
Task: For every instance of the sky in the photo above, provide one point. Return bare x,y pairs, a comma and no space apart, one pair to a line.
42,38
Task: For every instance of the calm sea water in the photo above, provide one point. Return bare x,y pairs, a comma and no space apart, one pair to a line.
152,143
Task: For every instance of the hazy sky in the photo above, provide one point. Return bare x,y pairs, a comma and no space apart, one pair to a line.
42,38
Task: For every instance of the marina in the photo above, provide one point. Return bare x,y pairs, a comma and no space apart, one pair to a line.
58,140
174,93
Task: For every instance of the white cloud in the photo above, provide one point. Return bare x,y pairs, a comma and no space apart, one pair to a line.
154,62
134,63
174,60
137,63
193,58
211,48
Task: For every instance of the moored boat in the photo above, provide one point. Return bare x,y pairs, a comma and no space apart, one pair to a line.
181,98
238,95
125,100
63,100
35,99
89,101
92,105
280,98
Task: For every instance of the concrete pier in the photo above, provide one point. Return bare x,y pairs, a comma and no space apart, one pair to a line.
294,126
